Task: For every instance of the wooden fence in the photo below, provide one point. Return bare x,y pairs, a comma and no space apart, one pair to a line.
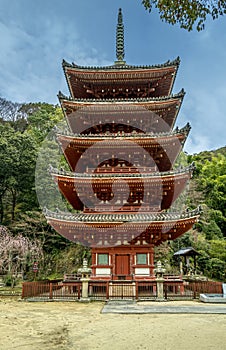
199,287
190,290
104,290
52,290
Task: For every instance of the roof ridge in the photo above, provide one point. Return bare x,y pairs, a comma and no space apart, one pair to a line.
136,217
168,63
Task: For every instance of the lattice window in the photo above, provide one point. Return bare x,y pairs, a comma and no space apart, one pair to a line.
141,259
102,259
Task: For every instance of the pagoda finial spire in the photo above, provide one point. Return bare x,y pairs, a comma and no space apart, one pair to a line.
120,40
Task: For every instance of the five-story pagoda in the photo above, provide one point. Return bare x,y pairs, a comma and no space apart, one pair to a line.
121,149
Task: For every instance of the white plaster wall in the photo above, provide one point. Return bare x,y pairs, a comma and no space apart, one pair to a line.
142,271
103,271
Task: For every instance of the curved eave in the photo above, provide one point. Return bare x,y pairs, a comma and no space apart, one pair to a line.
111,230
112,218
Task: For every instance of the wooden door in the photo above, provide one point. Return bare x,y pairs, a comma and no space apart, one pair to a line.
122,265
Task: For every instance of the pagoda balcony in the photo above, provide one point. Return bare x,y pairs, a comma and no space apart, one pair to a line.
128,209
98,174
121,169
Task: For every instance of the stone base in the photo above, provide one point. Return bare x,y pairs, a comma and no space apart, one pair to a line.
85,300
213,298
160,299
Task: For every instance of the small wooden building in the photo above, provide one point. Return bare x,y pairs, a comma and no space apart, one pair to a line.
186,254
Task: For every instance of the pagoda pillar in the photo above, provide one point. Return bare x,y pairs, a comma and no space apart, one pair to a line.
151,261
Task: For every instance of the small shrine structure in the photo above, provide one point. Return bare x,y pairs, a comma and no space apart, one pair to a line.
121,149
187,253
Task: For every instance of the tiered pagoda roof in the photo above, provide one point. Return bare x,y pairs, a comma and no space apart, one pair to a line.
121,120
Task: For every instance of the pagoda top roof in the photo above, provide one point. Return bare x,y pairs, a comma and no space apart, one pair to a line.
120,79
122,218
74,66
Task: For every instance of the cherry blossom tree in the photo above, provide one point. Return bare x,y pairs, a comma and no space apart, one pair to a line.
17,252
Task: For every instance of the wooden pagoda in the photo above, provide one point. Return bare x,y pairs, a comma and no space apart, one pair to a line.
121,150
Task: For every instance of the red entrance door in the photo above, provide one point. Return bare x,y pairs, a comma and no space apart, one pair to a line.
122,266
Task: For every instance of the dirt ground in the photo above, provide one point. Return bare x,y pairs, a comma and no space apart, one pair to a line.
77,326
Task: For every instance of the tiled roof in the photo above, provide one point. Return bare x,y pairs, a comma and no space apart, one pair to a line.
116,217
168,63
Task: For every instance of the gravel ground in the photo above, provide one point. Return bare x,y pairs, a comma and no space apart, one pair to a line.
78,326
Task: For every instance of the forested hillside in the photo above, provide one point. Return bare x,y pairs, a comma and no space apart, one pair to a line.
23,127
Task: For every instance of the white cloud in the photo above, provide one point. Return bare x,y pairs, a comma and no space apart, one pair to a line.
30,66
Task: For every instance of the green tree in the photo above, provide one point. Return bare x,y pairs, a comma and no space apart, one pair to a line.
187,13
210,182
219,218
212,230
42,118
17,166
21,137
6,164
217,248
217,268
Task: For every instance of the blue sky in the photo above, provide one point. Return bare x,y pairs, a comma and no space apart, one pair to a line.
37,35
